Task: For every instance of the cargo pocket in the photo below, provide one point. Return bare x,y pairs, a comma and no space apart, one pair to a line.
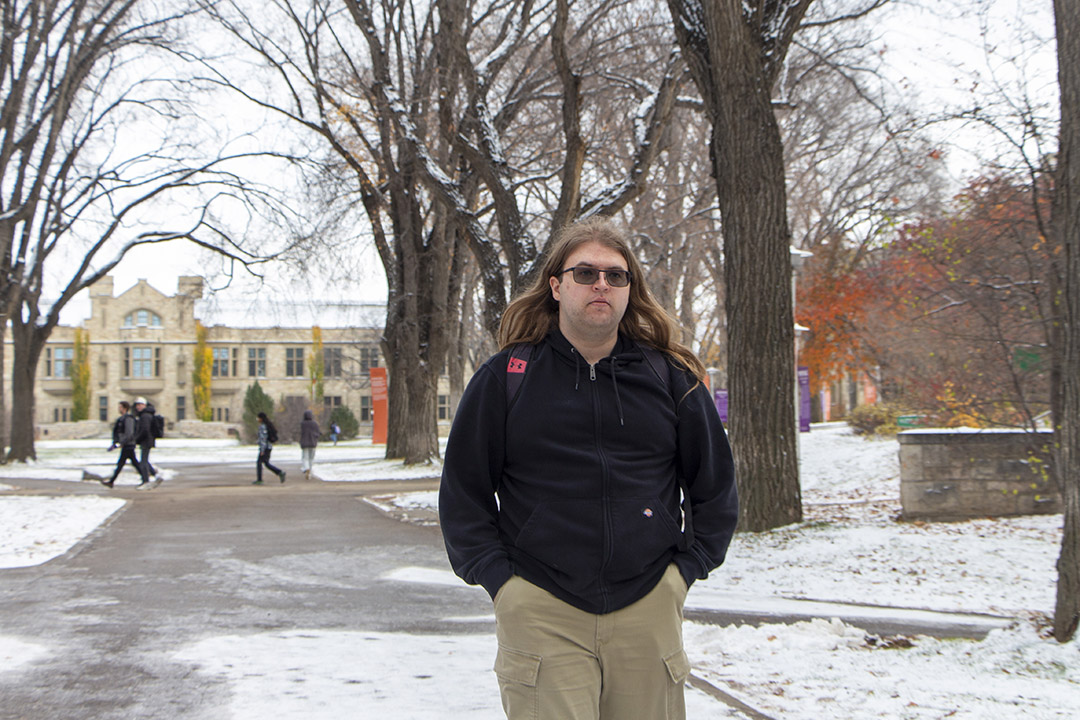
518,673
678,666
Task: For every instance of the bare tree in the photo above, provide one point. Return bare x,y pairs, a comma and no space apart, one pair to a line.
80,188
1067,218
735,51
858,158
499,111
440,117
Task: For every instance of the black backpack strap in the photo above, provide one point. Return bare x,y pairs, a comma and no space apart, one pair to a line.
662,368
659,364
520,355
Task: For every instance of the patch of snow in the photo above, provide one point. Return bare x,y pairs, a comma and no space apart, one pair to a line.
36,529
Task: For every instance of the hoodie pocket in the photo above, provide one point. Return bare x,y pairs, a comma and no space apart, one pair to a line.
566,536
643,532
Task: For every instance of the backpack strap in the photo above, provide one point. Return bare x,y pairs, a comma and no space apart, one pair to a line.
520,355
662,368
659,365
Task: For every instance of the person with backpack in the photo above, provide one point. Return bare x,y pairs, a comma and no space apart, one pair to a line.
587,483
144,438
268,435
309,439
123,437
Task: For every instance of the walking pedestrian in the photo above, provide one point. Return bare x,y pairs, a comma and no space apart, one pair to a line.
564,501
309,438
144,438
268,435
335,430
123,437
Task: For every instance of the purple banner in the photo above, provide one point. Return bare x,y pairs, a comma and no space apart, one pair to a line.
804,399
720,398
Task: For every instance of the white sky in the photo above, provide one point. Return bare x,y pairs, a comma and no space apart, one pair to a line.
850,549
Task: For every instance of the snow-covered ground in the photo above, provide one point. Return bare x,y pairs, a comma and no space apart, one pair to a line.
851,548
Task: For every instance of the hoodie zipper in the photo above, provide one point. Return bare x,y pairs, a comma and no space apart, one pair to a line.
605,490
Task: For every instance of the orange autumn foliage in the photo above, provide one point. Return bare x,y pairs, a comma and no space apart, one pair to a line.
833,307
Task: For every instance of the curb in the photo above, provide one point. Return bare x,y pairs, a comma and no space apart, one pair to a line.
874,619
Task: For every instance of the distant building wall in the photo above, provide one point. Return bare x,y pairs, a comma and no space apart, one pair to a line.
838,398
142,343
957,474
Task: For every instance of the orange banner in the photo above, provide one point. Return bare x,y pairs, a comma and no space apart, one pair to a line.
379,405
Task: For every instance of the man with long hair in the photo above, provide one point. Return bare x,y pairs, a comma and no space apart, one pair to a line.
587,483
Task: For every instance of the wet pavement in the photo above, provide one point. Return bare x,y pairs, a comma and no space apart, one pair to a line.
208,554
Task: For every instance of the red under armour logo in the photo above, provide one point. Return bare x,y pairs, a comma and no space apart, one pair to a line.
516,365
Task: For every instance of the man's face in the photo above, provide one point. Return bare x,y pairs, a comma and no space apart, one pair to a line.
139,407
121,409
590,312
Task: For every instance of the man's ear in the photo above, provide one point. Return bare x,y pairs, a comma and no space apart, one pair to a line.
554,283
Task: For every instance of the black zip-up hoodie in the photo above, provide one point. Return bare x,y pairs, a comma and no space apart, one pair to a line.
585,463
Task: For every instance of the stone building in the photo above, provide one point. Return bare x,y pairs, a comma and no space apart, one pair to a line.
142,343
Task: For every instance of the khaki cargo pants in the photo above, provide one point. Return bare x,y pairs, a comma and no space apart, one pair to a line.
556,662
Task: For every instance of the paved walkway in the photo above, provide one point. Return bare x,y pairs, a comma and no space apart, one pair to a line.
209,554
206,553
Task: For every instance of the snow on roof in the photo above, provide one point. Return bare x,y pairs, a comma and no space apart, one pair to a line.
262,313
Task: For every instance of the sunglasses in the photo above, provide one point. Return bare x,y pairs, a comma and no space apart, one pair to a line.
589,275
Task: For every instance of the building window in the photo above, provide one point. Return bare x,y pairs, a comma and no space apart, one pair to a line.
60,414
332,357
256,362
142,318
103,408
444,407
181,408
294,362
369,358
221,414
331,401
220,367
58,362
365,408
142,362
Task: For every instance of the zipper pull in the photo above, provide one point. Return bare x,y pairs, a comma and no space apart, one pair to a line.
592,373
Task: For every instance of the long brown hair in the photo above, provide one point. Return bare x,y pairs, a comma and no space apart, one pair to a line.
533,313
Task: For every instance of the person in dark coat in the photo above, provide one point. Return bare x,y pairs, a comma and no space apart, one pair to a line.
587,495
123,437
144,438
309,438
266,445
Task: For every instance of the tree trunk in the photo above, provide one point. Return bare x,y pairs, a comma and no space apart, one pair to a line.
3,395
27,345
412,429
732,72
761,343
418,319
1067,224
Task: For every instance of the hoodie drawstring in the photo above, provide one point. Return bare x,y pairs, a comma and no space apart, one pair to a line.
614,380
615,384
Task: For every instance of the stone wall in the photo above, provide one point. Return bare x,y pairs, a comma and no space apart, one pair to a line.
85,429
963,473
82,430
